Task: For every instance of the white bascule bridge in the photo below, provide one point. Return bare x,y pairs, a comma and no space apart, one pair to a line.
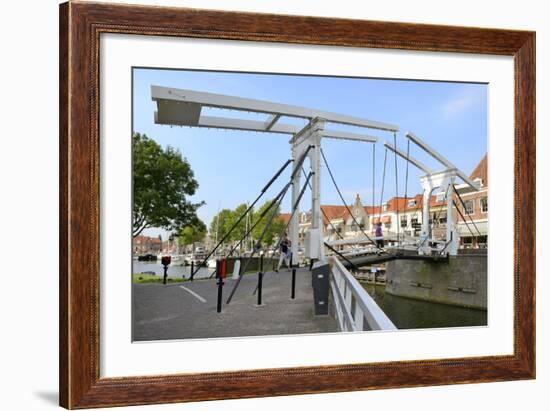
180,107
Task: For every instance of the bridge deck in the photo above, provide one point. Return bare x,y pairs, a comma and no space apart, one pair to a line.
164,312
389,255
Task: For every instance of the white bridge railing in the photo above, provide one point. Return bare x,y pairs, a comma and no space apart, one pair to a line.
354,308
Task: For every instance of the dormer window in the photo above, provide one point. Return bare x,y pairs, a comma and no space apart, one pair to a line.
479,181
385,207
440,197
411,203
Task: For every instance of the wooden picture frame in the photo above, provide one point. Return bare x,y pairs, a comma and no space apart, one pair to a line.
81,25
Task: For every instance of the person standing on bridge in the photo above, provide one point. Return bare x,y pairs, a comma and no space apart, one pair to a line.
379,236
284,248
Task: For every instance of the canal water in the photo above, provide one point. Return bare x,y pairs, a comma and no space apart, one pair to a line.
174,270
407,313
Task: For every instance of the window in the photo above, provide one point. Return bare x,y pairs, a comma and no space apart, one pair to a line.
403,221
440,197
469,206
385,207
466,242
483,204
414,222
411,203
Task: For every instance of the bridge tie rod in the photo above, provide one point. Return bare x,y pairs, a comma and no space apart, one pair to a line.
342,198
285,165
259,241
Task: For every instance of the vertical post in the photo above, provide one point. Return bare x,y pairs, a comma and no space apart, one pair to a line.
294,222
219,276
426,213
260,279
165,274
293,290
451,234
192,270
425,227
315,161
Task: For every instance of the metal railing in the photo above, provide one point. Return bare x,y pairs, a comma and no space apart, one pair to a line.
355,309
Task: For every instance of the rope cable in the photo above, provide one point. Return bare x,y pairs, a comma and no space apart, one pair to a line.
464,219
275,177
398,222
259,241
406,182
373,178
323,211
383,183
464,205
342,198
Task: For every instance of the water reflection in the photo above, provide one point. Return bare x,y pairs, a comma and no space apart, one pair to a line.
407,313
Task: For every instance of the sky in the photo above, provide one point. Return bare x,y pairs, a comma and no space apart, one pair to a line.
232,167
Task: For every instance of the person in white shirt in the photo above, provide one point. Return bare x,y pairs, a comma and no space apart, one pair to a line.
284,248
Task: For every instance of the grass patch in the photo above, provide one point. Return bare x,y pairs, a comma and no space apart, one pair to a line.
141,278
138,278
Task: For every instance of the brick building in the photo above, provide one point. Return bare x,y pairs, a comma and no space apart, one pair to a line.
475,209
404,215
147,245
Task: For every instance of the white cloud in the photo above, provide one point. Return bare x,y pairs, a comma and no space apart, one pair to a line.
462,102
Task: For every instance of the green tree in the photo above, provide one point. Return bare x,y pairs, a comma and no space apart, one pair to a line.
218,225
192,233
162,181
273,231
240,230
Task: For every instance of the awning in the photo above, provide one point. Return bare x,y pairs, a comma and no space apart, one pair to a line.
463,231
386,219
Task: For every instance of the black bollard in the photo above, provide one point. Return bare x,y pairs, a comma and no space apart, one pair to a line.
192,270
219,276
293,291
165,261
220,292
260,279
262,263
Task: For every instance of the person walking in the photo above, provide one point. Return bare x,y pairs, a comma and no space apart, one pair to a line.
379,236
285,253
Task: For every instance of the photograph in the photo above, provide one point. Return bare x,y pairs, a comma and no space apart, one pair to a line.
267,204
275,205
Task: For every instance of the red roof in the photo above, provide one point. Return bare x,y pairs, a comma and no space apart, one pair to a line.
480,171
143,238
333,212
284,217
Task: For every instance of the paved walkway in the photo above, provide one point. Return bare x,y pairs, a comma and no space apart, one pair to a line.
188,309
